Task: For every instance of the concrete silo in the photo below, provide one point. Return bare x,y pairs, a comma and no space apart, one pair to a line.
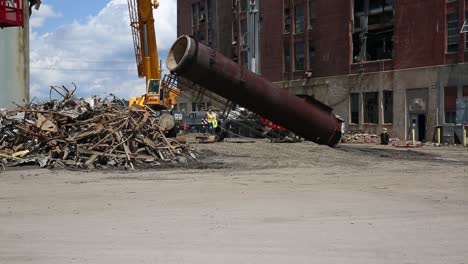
14,60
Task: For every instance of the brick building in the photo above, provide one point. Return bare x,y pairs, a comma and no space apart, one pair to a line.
378,63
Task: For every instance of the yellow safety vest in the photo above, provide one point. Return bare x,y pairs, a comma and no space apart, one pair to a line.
212,120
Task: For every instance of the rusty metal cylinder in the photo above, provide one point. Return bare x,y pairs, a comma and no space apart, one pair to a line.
207,68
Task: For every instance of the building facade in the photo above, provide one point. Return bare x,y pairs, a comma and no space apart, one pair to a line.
398,64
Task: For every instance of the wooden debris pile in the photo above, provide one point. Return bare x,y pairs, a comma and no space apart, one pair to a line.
85,133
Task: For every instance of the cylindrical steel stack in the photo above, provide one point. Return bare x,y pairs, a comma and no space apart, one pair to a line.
202,65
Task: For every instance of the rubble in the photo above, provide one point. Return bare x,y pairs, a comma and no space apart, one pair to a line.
361,138
85,134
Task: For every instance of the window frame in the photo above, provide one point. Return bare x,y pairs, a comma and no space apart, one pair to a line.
453,39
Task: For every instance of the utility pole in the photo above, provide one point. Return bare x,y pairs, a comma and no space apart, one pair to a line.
253,31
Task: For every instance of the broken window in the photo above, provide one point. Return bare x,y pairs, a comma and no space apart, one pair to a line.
452,32
373,30
299,18
299,56
287,20
371,108
287,55
244,4
311,53
194,15
312,14
244,42
387,102
450,104
354,105
202,12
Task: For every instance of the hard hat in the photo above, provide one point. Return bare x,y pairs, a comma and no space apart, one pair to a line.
384,129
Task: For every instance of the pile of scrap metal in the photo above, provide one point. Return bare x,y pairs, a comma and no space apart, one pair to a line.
87,134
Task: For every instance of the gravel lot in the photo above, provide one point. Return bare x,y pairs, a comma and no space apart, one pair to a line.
246,203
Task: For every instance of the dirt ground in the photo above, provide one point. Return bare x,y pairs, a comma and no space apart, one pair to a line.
253,203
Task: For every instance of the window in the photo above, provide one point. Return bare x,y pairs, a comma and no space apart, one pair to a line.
202,12
194,15
244,4
287,20
244,59
244,42
452,32
465,29
194,107
373,34
299,16
312,13
201,35
287,55
450,104
354,105
299,56
387,102
465,91
311,53
371,108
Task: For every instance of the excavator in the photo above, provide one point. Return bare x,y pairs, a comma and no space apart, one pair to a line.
158,97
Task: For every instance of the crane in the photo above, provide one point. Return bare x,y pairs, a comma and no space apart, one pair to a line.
157,97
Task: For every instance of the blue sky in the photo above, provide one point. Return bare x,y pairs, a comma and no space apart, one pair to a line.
90,43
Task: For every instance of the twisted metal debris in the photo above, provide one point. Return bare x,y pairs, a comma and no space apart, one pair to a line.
85,133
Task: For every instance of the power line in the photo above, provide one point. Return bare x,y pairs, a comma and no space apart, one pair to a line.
82,70
71,59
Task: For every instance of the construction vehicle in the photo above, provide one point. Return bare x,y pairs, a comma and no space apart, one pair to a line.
157,96
159,99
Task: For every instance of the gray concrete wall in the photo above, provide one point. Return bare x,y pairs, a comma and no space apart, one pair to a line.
14,64
334,91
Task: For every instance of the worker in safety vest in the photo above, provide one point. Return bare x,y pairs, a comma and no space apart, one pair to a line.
212,122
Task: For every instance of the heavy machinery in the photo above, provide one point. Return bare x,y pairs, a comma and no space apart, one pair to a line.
157,96
11,13
202,65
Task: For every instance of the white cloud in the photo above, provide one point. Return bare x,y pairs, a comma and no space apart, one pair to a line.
38,17
97,54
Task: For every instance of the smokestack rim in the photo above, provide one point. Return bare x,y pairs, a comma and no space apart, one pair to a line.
181,52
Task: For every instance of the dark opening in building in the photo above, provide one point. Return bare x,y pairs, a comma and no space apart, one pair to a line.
465,29
373,30
387,102
194,15
354,107
287,55
450,104
311,53
299,56
299,18
202,12
452,32
312,14
371,108
287,20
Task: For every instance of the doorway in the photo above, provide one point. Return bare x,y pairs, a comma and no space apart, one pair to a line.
418,122
421,129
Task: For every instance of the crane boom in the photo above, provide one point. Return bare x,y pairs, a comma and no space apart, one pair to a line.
144,38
